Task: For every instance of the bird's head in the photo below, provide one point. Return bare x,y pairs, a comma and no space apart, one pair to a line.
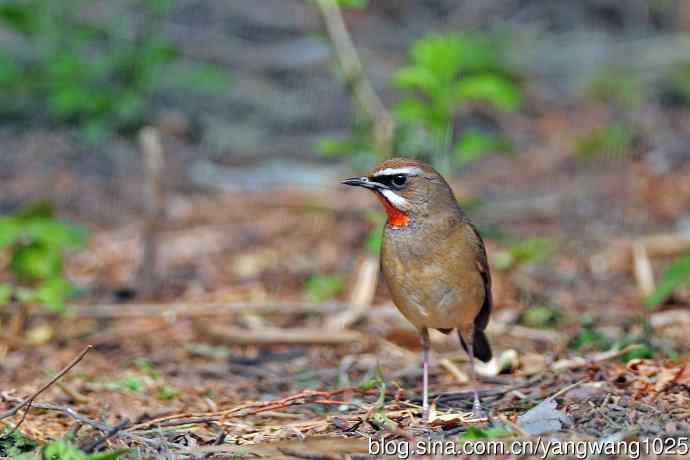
408,189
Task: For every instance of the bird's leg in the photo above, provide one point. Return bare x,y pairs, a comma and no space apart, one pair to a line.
425,373
477,411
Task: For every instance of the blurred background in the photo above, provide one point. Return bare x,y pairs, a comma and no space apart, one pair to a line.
186,155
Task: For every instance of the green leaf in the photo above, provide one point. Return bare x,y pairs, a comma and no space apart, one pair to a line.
449,55
641,351
473,145
590,339
56,233
612,140
320,288
676,274
493,89
15,444
134,384
353,4
10,72
5,294
36,261
540,317
201,77
41,208
10,230
21,17
527,251
110,455
65,450
53,293
167,393
412,110
416,77
474,433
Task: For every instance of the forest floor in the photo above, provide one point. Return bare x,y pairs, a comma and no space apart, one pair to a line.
233,358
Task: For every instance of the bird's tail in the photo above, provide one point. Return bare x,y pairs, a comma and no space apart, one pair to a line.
480,346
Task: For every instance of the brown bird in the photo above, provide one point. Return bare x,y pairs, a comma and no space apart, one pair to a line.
433,259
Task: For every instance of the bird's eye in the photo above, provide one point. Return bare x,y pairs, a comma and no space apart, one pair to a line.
399,180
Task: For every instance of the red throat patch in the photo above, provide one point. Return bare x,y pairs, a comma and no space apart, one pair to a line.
396,218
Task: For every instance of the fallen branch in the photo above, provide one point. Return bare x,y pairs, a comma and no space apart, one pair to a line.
620,254
28,401
192,309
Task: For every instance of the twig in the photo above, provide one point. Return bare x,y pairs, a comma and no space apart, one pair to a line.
567,389
362,296
273,336
455,371
353,70
109,434
152,151
28,401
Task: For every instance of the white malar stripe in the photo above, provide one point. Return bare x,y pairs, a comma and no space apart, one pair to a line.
396,200
412,171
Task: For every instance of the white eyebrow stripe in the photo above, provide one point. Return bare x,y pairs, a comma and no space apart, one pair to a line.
413,171
396,200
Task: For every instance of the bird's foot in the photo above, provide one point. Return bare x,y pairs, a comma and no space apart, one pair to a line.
477,411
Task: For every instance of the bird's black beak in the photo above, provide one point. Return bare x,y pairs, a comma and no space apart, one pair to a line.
363,182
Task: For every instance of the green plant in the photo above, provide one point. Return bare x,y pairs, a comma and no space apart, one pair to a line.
527,251
588,338
675,87
541,316
619,88
446,75
320,288
167,393
65,449
614,140
13,444
474,433
100,76
133,384
677,274
37,242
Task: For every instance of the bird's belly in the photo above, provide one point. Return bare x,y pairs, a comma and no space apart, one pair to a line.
426,298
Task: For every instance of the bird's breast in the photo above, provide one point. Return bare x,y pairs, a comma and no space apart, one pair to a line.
437,288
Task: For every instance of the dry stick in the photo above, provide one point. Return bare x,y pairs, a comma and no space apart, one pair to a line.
352,68
197,309
362,296
644,275
28,401
109,434
152,151
274,336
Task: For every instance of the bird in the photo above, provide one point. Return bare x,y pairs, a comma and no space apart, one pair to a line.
433,260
